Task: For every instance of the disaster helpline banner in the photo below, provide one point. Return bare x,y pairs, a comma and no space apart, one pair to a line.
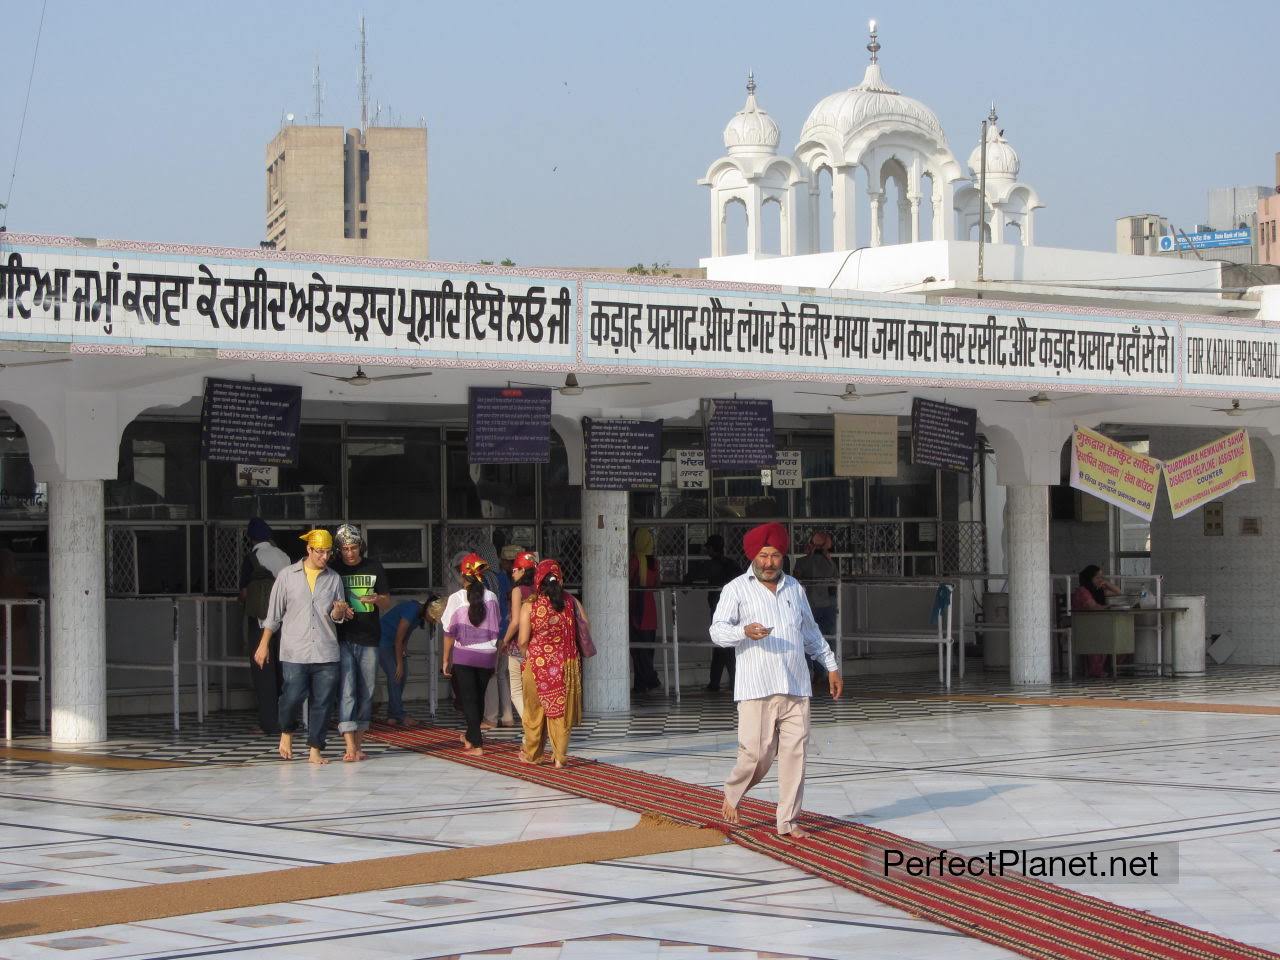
661,327
1208,472
1114,473
130,297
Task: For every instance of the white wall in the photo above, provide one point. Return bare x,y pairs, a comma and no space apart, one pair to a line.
1238,575
896,266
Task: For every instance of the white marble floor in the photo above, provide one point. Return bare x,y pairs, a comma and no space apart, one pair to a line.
1207,783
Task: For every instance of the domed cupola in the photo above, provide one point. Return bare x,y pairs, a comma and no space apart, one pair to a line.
751,131
1002,159
847,113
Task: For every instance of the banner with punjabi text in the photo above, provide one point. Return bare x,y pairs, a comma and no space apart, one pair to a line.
1114,473
1208,472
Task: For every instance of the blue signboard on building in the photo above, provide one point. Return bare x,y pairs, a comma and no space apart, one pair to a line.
1207,240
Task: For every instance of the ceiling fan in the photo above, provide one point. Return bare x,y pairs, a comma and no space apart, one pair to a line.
1235,410
362,379
851,393
572,388
33,363
1043,399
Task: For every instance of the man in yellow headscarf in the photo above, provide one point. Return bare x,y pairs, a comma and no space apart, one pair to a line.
307,602
643,574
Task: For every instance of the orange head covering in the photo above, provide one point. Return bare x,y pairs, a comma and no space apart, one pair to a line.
318,539
547,568
766,535
473,565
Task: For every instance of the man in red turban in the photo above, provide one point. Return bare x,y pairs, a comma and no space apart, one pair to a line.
764,615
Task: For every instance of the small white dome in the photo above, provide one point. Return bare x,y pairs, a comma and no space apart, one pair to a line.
1002,159
847,112
751,130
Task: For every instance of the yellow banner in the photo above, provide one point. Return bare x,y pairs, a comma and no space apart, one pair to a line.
1208,472
1112,472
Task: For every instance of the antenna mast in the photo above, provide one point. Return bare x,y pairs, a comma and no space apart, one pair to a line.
317,88
364,79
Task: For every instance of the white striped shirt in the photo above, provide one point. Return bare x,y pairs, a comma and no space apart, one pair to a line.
777,663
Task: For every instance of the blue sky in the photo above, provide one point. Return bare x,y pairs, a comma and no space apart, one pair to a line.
573,133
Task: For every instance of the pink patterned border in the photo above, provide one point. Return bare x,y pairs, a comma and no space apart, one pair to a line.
1030,306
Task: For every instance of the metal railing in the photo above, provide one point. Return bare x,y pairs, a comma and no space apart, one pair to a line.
23,673
174,666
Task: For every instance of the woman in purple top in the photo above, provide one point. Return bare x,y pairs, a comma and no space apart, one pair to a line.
471,624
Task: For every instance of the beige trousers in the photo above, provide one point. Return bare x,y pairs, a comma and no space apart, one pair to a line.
497,695
515,672
776,726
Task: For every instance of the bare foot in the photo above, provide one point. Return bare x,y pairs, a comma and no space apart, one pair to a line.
559,764
315,756
532,763
462,737
286,746
796,833
476,752
410,722
350,757
729,812
486,725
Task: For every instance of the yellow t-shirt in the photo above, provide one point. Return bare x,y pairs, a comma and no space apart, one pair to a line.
312,577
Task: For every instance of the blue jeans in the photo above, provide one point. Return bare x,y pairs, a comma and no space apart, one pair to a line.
316,683
359,668
395,690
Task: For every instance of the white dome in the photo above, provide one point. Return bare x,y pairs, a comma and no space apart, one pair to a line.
751,130
872,101
1002,159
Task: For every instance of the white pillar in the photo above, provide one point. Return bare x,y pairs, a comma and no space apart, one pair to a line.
717,224
844,233
906,234
877,217
1030,591
755,231
915,219
607,675
77,584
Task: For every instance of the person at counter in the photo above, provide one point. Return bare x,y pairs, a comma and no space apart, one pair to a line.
1092,594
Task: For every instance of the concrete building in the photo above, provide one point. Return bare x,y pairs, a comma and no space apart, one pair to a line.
1230,234
110,508
1268,214
348,192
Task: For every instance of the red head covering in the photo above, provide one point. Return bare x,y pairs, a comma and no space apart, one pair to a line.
526,560
766,535
473,565
547,568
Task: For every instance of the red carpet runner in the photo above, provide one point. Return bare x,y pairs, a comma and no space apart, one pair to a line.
1029,917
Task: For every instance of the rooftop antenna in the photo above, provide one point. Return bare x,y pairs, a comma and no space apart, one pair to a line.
987,124
364,78
317,90
874,45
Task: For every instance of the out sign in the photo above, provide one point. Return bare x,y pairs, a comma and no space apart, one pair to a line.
787,472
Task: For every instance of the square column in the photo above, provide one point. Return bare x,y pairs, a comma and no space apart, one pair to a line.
1030,590
77,585
606,677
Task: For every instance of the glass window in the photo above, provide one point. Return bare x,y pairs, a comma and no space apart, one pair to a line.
560,501
912,493
21,497
393,473
158,477
310,491
489,491
825,495
669,501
